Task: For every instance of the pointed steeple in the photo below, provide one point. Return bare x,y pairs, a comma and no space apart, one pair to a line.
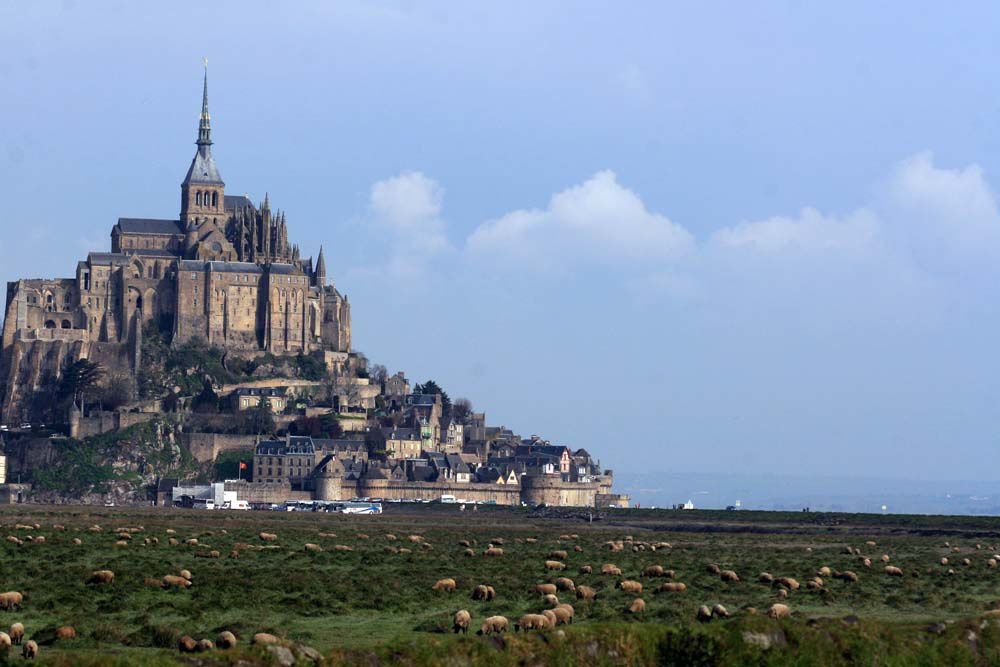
205,123
203,169
320,269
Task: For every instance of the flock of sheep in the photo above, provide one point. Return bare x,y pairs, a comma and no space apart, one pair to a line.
649,578
557,613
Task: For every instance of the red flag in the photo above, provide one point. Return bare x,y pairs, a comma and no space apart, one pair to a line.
243,465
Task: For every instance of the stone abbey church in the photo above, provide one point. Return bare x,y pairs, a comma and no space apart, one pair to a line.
222,271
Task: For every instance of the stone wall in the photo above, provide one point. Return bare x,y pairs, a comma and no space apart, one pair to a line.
390,489
205,447
551,490
111,421
259,494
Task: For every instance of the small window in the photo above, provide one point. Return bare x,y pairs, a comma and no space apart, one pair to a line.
197,198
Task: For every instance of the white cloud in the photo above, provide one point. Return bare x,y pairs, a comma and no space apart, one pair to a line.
596,221
941,217
810,231
407,210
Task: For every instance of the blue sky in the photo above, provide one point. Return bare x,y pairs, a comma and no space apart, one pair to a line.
718,237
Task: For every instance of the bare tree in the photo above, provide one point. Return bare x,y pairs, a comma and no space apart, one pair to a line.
461,411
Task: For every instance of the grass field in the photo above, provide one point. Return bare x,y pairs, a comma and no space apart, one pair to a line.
373,606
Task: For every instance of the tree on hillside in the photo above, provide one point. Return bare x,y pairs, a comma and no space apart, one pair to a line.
78,377
432,387
378,374
207,400
461,411
258,420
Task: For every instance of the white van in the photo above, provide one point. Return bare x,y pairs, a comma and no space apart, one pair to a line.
448,498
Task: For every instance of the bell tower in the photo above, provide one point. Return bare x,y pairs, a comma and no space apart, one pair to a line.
203,191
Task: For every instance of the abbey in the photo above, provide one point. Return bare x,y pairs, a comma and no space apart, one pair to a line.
222,271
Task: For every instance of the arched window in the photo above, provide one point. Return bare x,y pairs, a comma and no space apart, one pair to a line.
50,324
66,324
197,198
215,200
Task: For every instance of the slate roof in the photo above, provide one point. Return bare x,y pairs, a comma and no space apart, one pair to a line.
150,226
294,445
107,258
401,433
203,170
152,252
262,391
231,202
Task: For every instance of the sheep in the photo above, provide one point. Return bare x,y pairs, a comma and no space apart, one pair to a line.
546,589
558,555
992,562
550,618
66,632
712,568
765,578
326,534
193,541
497,540
654,571
187,644
787,582
613,546
40,539
186,574
565,584
613,570
180,582
309,546
847,576
885,558
16,632
550,600
704,614
344,547
782,593
468,552
966,562
672,587
445,585
494,625
586,569
225,640
637,606
5,642
814,584
462,620
11,600
30,650
14,540
390,537
718,611
778,610
867,562
415,539
493,552
483,592
77,541
569,609
464,543
893,571
824,572
204,645
268,537
554,565
563,614
262,638
944,561
173,542
101,577
531,622
630,586
729,576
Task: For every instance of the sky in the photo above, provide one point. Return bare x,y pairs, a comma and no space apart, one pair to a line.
754,238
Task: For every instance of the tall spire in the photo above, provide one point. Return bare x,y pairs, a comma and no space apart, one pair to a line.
205,124
320,269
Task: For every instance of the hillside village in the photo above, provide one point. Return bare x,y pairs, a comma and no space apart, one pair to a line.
208,349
